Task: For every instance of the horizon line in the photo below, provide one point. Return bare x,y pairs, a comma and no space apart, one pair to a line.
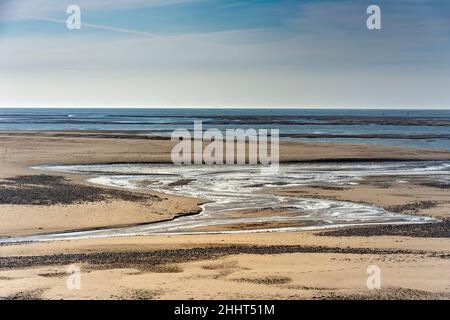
229,107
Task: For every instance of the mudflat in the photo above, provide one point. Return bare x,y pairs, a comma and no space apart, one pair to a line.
414,259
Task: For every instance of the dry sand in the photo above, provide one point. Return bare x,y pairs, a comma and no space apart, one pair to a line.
28,220
410,268
245,266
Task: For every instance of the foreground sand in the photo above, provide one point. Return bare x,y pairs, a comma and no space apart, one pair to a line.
414,262
324,267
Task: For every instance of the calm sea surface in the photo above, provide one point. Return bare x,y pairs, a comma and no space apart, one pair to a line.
413,128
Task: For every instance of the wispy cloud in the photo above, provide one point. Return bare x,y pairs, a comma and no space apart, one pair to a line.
99,27
238,4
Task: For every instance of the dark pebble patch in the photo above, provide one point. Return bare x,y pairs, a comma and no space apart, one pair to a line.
387,294
111,260
180,183
28,295
413,207
268,281
45,190
426,230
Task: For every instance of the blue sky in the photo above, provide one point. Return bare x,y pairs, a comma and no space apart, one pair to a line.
236,53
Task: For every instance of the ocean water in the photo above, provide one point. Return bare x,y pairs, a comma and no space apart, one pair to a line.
412,128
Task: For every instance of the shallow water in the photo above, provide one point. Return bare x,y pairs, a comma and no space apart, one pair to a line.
406,128
241,188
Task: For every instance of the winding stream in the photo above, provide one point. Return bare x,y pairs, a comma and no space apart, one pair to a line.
232,189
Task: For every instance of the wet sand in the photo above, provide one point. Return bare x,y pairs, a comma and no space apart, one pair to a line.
20,151
412,195
292,265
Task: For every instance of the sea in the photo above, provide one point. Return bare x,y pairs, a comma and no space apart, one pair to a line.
403,128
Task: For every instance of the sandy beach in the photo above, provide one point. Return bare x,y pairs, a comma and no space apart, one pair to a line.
414,259
233,150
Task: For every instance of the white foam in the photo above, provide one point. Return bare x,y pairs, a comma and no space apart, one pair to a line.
230,188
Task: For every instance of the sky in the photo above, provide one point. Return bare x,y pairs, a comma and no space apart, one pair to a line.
217,53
